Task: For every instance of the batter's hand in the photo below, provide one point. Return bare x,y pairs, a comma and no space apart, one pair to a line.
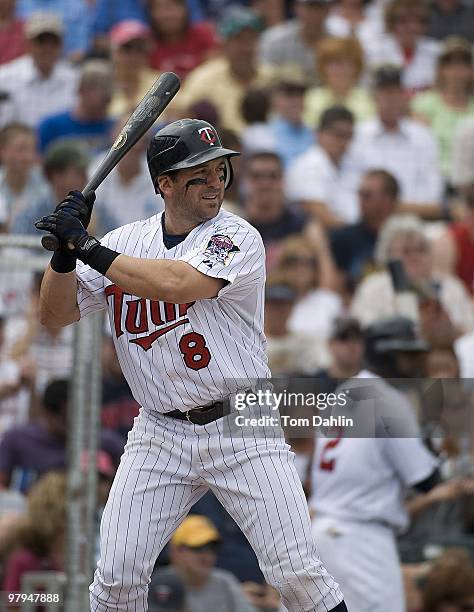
72,235
79,206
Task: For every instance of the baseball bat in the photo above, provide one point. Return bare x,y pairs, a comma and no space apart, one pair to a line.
140,121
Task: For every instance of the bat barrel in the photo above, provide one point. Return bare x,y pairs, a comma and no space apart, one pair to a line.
140,121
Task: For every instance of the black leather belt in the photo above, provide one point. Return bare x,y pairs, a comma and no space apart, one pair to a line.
203,415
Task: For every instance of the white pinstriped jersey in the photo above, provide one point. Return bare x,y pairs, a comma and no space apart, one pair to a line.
365,478
179,356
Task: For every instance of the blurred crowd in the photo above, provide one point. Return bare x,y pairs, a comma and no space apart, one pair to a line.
355,119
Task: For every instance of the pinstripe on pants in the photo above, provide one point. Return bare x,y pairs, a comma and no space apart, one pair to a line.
167,466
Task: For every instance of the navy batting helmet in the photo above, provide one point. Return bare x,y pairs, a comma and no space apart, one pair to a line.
184,144
387,338
395,333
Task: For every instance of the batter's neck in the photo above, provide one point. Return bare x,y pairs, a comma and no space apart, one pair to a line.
176,224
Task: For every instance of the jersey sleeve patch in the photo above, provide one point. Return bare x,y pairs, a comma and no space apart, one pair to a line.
219,250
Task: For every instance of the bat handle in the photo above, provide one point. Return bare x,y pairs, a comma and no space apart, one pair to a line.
50,242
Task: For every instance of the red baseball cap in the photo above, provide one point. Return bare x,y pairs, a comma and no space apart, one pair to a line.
130,29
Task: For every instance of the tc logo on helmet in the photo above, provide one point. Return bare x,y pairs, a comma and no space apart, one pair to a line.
207,135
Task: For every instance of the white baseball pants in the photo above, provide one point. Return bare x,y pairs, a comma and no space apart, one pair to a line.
364,560
167,466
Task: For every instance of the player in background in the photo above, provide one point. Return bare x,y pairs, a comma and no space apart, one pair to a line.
360,476
185,291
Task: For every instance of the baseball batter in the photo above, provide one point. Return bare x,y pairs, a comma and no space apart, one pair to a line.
184,291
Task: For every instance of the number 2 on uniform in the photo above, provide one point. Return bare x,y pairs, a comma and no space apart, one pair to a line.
196,355
326,463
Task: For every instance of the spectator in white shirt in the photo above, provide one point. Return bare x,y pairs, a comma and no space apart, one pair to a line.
324,179
291,45
406,45
464,349
445,307
404,147
127,194
353,18
462,163
38,83
16,378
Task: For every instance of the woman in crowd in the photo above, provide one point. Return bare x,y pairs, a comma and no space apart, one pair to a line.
129,45
289,352
178,45
340,63
308,263
41,534
451,100
446,309
406,45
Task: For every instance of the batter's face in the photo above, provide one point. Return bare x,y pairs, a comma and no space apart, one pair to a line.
195,193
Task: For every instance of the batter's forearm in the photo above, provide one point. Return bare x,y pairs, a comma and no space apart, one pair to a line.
147,278
165,280
58,299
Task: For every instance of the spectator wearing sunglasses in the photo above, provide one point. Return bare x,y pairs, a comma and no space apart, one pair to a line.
129,50
265,204
193,554
445,306
317,305
353,245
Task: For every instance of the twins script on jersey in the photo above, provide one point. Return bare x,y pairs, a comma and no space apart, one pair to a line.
186,355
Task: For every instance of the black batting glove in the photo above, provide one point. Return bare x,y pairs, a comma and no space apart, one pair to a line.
72,235
78,205
63,261
74,239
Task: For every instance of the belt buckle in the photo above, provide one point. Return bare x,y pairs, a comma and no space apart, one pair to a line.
187,415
